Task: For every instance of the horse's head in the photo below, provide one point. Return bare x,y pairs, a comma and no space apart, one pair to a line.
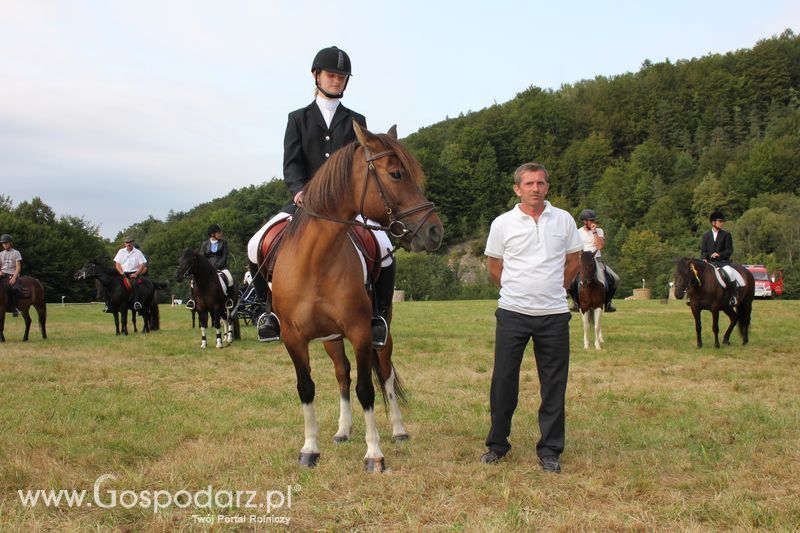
185,265
90,270
588,267
687,273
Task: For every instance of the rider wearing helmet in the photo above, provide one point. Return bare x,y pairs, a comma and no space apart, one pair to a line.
716,247
313,134
594,240
10,269
215,249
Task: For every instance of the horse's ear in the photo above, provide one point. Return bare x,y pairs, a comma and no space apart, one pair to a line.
392,132
362,134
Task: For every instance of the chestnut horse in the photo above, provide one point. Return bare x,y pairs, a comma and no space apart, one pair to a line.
591,299
697,280
318,280
209,297
32,295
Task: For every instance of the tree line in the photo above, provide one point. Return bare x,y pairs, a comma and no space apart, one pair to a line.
653,152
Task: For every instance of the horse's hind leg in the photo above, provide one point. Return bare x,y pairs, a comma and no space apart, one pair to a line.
203,320
215,321
726,339
42,312
392,390
362,344
715,327
26,315
341,365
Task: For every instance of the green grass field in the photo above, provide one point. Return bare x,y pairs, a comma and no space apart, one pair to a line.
660,435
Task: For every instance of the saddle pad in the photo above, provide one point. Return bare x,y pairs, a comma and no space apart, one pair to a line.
127,283
732,273
367,245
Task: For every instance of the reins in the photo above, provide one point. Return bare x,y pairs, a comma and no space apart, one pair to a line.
396,227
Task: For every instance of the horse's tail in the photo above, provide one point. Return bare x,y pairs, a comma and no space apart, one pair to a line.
155,317
744,310
399,389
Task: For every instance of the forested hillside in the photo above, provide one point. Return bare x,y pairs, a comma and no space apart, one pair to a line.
653,152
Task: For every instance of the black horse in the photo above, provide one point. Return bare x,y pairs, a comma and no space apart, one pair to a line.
32,296
209,296
119,296
698,281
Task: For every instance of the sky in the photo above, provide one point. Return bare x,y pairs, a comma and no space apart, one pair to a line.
117,110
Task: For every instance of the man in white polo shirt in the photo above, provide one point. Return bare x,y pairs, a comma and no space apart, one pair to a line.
533,255
131,263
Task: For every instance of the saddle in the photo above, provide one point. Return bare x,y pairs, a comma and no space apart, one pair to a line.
364,241
126,281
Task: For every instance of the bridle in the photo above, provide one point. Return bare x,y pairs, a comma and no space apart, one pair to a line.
396,228
692,276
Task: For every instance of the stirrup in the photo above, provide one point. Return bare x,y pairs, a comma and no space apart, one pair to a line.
229,304
733,301
137,306
190,304
380,331
268,327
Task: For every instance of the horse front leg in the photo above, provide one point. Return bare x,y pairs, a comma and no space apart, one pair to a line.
116,322
203,320
586,319
215,321
298,350
341,366
373,460
697,326
734,318
124,319
2,324
715,327
598,331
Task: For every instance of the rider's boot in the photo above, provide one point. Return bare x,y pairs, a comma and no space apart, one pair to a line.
612,288
267,325
384,291
13,302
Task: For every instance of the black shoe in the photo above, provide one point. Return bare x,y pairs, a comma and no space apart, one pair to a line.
490,457
269,328
610,308
550,464
380,332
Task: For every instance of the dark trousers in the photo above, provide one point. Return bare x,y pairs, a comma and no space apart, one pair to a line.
550,334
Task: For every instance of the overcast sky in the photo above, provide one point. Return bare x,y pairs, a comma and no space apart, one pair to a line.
117,110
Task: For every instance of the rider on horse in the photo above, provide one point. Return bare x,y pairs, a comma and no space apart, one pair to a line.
11,267
716,247
313,133
131,263
215,249
593,241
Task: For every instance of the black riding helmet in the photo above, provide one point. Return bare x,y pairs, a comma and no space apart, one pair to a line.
333,60
213,228
588,214
6,238
716,215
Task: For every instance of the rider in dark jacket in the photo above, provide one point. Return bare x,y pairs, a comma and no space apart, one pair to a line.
215,248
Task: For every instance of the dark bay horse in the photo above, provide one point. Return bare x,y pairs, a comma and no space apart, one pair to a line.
697,280
209,296
319,281
119,301
591,299
32,295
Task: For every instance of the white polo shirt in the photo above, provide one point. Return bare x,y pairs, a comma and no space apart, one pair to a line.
588,239
130,261
534,256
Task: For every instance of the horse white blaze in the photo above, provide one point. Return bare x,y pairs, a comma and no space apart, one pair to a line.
372,437
311,429
394,408
204,342
345,418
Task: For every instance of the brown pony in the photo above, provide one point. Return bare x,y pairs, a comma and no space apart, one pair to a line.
698,281
591,297
32,295
319,282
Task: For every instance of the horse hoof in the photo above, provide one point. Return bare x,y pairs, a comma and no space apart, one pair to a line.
338,439
309,460
374,465
402,437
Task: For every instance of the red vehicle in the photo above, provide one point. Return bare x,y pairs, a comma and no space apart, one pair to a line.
766,286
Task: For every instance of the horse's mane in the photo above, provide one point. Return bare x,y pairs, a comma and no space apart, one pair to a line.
330,186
